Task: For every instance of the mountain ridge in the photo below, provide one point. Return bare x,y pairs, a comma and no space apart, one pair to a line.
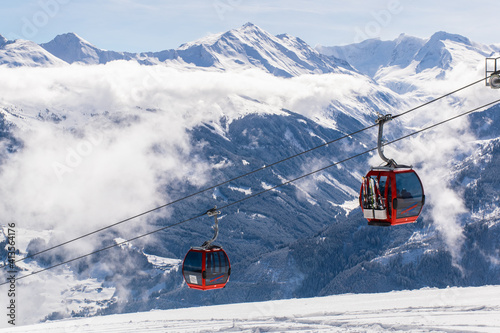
282,55
249,45
246,47
72,48
373,54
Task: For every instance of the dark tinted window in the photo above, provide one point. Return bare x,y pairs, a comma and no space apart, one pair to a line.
408,185
215,262
382,183
192,262
389,196
217,268
209,262
218,262
224,263
409,192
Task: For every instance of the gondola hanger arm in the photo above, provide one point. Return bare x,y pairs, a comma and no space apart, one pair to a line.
212,212
381,120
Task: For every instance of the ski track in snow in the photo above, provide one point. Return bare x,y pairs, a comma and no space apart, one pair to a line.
473,309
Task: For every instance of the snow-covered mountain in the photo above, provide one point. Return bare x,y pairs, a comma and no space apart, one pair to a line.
250,46
113,140
372,54
22,53
400,64
72,48
282,55
246,47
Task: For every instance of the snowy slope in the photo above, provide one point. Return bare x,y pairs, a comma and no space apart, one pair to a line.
427,310
443,56
372,54
250,46
22,53
407,63
243,48
74,49
437,51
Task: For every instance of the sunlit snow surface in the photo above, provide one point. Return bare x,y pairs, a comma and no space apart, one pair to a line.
427,310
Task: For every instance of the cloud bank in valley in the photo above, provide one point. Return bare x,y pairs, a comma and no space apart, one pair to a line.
101,143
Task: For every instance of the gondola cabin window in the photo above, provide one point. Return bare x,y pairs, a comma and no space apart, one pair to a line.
409,194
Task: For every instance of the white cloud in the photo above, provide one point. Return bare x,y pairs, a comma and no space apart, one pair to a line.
123,137
122,134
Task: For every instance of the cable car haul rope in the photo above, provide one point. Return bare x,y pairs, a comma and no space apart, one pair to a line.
389,195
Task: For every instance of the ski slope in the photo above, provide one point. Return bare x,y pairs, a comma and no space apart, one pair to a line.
473,309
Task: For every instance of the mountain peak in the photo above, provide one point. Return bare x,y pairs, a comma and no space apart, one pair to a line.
249,25
435,53
249,28
443,35
246,29
69,38
72,48
3,40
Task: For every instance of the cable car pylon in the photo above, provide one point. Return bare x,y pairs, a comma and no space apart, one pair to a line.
391,194
492,72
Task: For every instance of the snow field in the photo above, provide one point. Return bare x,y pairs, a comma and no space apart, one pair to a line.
473,309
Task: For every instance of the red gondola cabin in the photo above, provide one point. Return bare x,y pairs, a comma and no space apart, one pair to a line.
206,269
391,196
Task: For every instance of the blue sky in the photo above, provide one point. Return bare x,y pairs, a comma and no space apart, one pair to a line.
153,25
